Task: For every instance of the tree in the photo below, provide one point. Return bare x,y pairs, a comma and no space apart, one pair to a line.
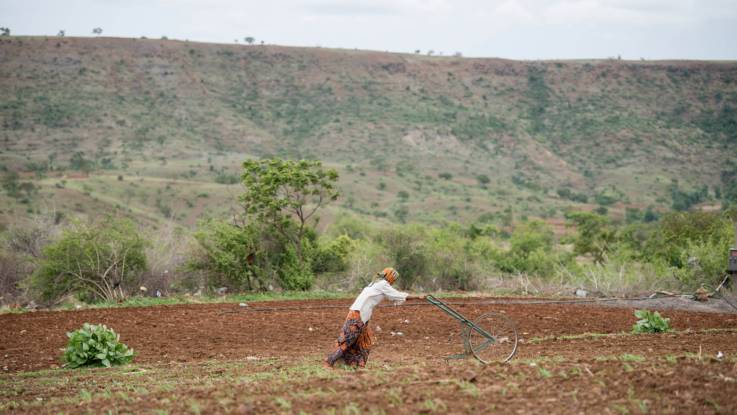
97,31
227,255
401,213
61,33
96,261
286,194
595,235
78,162
249,40
483,179
4,31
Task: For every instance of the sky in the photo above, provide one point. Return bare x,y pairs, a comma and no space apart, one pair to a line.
513,29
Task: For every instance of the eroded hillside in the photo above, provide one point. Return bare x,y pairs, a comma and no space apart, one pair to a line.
158,128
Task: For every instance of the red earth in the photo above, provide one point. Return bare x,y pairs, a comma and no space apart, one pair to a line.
185,333
288,331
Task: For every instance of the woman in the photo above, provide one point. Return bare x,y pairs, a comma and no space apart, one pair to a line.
356,338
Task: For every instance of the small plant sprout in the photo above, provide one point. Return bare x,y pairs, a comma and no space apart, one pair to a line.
650,322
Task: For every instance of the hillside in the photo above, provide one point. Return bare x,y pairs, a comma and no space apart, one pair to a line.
158,128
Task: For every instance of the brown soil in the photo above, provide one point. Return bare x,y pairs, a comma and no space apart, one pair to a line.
184,333
192,336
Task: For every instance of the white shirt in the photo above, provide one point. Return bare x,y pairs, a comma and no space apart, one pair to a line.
375,293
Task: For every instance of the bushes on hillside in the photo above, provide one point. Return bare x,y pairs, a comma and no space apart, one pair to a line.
103,260
450,256
684,249
226,254
405,248
251,257
531,251
595,236
96,261
331,255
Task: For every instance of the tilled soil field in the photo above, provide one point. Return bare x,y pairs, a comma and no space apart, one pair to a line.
216,358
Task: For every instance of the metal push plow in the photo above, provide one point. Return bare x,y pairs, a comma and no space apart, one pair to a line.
492,337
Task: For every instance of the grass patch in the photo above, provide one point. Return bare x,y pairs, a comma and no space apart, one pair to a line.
594,336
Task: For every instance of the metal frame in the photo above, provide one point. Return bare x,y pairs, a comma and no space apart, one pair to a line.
467,327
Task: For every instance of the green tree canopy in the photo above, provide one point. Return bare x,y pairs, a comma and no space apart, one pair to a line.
286,194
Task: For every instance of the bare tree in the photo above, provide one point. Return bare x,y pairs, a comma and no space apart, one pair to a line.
29,238
167,253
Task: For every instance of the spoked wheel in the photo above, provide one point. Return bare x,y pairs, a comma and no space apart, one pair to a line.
728,290
493,340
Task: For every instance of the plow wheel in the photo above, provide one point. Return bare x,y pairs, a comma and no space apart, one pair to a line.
495,340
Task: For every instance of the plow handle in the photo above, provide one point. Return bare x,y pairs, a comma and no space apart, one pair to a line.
458,316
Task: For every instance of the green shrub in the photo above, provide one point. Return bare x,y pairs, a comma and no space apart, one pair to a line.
531,251
681,231
448,262
704,263
608,196
331,256
569,194
227,255
351,227
96,261
650,322
96,345
225,178
405,248
295,274
594,234
683,200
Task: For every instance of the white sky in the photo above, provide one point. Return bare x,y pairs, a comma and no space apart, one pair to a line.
515,29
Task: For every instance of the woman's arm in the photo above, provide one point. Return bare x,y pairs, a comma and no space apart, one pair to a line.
391,293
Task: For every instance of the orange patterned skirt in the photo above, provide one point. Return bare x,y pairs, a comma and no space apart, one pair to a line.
354,341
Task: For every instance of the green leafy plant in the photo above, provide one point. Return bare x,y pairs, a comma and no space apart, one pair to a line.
650,322
96,345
